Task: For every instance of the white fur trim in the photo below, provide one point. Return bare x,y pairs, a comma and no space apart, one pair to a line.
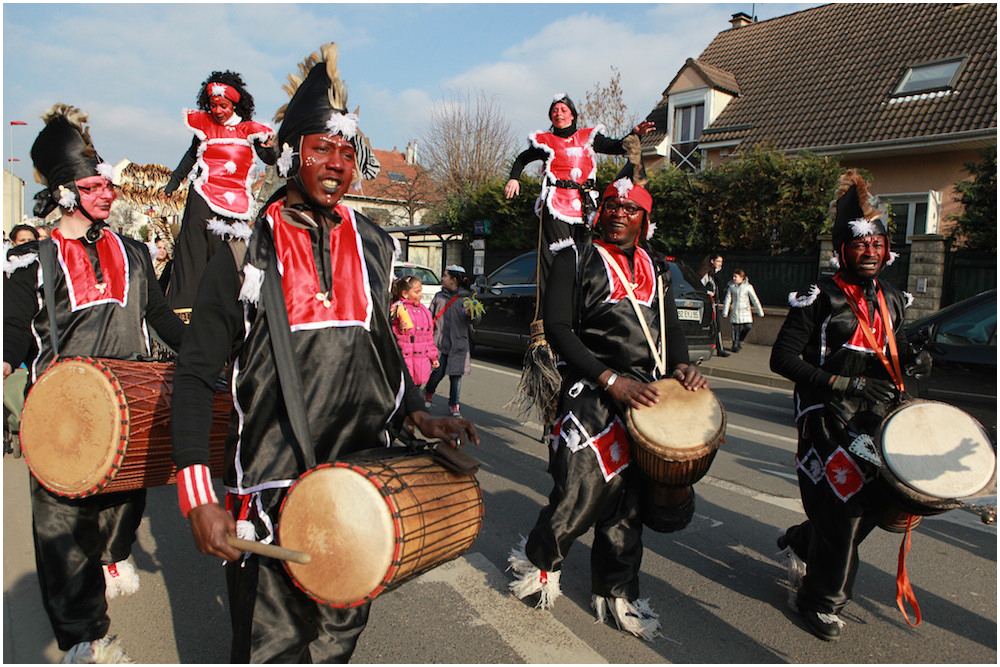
796,301
862,228
531,580
575,151
227,231
67,198
908,299
575,174
651,230
561,244
795,567
151,246
284,162
120,579
217,90
245,530
623,186
12,264
558,96
253,278
835,260
397,250
106,171
229,197
230,167
104,651
636,618
893,256
345,124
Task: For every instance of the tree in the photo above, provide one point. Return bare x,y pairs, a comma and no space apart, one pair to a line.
467,144
411,195
605,104
976,227
513,221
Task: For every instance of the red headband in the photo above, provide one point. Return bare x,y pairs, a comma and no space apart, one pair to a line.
219,89
624,187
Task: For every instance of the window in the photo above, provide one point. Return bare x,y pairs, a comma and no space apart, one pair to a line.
932,76
398,177
973,326
911,215
689,121
520,271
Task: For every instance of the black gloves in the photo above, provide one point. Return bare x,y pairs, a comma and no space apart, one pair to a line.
921,366
869,389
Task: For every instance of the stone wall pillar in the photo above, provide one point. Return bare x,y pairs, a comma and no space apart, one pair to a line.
825,253
926,276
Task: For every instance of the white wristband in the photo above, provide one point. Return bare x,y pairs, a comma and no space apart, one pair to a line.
611,380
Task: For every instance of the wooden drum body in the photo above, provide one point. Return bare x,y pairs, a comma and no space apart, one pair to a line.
372,524
94,426
932,455
675,443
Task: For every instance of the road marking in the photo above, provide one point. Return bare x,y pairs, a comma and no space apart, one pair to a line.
496,370
793,504
535,635
766,434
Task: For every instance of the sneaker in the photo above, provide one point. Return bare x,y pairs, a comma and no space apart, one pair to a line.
454,411
825,626
636,617
428,399
120,579
103,651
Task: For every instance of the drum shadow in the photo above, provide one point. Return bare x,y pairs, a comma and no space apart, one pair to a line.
27,632
941,464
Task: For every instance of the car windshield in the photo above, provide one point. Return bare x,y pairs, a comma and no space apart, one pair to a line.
426,276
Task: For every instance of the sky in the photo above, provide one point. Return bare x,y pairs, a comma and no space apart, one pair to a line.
135,66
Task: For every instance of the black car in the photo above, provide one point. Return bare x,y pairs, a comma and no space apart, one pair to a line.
962,338
509,297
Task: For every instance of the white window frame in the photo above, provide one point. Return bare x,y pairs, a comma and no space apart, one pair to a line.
914,68
931,198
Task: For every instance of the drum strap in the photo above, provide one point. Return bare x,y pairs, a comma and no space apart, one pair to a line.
47,260
893,367
904,592
659,356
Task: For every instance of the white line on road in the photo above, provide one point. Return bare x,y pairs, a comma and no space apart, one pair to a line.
765,434
501,371
536,636
793,504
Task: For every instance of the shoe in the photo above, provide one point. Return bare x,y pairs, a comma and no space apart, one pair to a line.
825,626
103,651
120,579
633,617
722,353
455,412
428,399
530,580
736,349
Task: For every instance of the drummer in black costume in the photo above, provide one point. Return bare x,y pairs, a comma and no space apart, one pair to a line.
336,272
608,365
104,294
842,391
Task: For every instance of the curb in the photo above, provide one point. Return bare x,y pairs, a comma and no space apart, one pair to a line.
771,380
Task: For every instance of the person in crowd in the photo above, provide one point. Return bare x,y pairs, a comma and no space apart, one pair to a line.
413,325
741,300
22,234
163,263
454,307
709,270
44,231
610,361
219,164
841,343
320,323
99,291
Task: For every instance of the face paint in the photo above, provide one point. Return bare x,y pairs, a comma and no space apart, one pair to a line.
621,221
327,167
96,196
864,257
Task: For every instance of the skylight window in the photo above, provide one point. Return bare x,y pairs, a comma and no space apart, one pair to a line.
396,176
932,76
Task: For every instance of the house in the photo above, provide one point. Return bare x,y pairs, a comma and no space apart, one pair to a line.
400,194
905,90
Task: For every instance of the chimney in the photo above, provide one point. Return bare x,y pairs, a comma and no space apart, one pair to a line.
411,152
741,19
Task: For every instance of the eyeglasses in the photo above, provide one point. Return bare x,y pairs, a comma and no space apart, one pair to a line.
611,206
96,188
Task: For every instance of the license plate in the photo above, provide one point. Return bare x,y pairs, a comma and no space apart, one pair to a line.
686,314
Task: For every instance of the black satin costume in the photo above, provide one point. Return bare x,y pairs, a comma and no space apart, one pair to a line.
354,381
73,538
818,340
589,453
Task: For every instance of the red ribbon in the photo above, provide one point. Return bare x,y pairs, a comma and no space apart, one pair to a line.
903,589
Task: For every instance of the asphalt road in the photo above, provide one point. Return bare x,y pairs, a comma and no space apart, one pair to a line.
716,584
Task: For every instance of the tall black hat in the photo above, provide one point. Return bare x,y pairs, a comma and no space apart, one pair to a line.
856,215
63,154
319,105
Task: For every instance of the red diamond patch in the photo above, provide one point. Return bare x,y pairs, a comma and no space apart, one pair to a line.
612,449
843,474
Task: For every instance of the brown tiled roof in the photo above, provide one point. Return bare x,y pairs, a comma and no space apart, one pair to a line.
825,76
384,186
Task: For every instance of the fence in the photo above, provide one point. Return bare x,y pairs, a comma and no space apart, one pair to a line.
772,276
968,273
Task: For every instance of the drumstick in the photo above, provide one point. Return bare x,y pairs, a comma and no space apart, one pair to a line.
269,550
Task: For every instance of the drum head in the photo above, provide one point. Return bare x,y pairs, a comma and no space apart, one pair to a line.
938,450
72,427
339,517
682,420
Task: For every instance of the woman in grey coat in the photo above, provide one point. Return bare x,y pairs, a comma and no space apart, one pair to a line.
453,308
740,301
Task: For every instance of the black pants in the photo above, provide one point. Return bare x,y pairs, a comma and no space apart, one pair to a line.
275,621
556,231
73,538
740,332
194,247
581,499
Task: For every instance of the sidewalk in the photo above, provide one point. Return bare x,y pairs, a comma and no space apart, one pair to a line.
751,364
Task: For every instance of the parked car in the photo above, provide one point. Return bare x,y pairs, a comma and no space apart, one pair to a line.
962,338
509,297
432,284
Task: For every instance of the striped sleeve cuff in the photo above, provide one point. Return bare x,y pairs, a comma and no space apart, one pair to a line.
194,487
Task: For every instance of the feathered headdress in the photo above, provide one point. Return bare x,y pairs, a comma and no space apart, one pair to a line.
318,105
62,154
857,211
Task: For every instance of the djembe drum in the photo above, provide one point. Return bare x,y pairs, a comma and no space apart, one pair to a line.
676,441
94,426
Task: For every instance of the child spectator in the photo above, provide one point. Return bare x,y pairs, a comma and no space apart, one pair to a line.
413,325
740,300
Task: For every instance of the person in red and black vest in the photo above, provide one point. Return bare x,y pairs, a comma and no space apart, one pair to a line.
330,270
219,165
609,365
837,344
103,296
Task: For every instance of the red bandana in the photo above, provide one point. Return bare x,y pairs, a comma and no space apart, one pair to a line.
81,279
857,296
644,278
349,302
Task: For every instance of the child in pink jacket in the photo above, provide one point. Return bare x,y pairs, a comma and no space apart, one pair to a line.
414,328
